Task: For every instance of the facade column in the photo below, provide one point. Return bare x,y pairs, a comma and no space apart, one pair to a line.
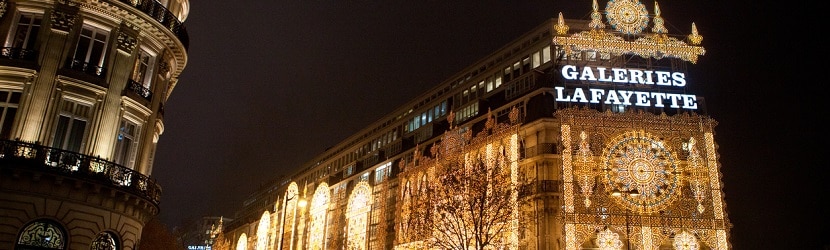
154,126
35,104
104,142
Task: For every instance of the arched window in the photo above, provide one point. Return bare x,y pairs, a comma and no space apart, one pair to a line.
319,207
262,231
289,215
41,234
104,241
357,216
242,244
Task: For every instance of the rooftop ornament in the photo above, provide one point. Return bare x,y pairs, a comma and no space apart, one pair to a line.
629,19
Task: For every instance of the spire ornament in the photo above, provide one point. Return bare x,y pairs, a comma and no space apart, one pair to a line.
659,24
695,38
560,26
596,17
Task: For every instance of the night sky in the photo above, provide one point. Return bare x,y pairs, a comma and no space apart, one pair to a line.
270,84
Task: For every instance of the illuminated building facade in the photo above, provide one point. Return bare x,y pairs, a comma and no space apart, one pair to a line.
603,146
82,88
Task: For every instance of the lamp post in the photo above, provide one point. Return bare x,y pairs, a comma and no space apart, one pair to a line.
284,211
633,193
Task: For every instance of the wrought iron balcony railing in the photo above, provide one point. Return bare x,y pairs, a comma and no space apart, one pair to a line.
139,89
79,165
87,68
18,53
161,14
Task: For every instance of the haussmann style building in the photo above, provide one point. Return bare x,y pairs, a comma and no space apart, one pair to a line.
580,134
82,90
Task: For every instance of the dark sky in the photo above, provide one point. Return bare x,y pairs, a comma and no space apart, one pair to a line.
270,84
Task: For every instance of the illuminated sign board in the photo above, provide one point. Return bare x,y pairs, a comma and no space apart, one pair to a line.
625,97
198,247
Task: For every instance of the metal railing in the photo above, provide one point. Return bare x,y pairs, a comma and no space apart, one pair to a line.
139,89
78,165
87,68
161,14
18,53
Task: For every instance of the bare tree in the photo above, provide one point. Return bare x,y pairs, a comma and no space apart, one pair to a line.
468,200
472,204
155,235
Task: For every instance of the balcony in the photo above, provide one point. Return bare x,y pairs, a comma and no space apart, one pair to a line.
72,164
135,88
161,14
18,57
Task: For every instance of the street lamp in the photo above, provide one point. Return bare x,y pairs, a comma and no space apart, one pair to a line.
284,211
633,193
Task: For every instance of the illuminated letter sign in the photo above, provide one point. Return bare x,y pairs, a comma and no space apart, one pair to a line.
625,97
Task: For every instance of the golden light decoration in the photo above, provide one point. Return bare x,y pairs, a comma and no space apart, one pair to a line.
608,240
585,168
357,215
636,161
319,206
627,16
262,231
659,25
685,241
560,26
659,139
695,38
596,17
242,243
697,174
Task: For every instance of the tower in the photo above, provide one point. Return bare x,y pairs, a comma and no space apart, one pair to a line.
83,86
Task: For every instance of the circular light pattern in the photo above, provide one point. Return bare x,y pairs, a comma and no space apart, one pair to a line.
627,16
636,162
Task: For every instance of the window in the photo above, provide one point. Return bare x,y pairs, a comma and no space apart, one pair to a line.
126,144
71,127
104,241
25,34
41,234
382,172
537,59
591,55
91,49
349,171
8,109
546,54
143,69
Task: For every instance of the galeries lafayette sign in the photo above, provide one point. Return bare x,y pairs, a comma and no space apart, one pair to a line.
625,97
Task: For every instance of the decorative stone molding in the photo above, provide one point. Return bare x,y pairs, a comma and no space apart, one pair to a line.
63,17
126,40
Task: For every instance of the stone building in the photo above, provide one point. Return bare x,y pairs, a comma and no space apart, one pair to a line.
83,85
605,146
